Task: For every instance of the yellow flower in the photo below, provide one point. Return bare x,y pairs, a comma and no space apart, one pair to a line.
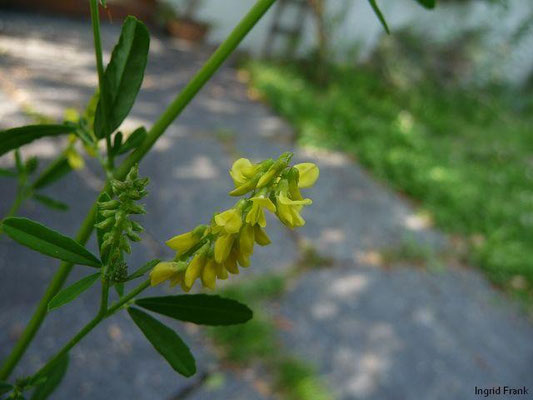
246,240
260,236
240,171
222,273
243,259
184,242
166,270
209,275
231,263
309,173
229,221
223,247
195,269
289,210
256,215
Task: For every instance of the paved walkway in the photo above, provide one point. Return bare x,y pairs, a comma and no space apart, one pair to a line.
374,333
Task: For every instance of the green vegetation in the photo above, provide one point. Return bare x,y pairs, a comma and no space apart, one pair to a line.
257,342
466,158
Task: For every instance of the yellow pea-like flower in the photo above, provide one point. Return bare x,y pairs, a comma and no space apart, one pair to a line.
229,221
260,236
238,170
166,270
243,259
289,210
309,173
195,269
209,275
256,215
184,242
231,263
246,239
223,247
222,273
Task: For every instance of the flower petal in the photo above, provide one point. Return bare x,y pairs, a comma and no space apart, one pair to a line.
309,173
163,271
223,246
209,275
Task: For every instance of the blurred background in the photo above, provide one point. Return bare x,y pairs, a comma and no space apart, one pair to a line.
412,277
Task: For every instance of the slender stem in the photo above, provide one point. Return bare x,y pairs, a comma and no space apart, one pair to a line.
95,321
173,111
198,81
100,69
105,297
19,200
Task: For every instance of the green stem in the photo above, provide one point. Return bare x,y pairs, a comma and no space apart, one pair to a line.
198,81
173,110
95,321
100,69
105,296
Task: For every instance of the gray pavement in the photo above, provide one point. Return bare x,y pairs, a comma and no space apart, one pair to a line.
402,333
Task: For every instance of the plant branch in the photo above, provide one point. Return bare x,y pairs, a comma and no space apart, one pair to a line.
95,321
100,69
159,127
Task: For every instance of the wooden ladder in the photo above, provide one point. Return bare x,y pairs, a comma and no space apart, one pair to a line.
278,30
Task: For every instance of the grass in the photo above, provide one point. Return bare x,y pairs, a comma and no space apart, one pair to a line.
257,342
467,159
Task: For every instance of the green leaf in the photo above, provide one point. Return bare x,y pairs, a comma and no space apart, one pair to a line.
14,138
379,14
54,375
55,171
144,269
47,241
427,3
73,291
8,173
166,342
50,203
5,387
201,309
134,140
123,76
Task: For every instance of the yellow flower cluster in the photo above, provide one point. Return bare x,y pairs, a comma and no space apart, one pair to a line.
210,252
